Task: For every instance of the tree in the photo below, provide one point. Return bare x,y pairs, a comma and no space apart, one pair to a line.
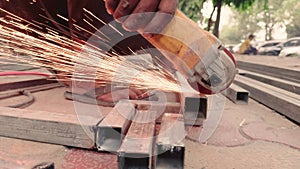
246,22
231,35
239,4
274,14
192,8
242,24
293,26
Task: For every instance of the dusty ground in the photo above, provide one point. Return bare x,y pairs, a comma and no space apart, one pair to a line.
259,154
265,140
270,141
249,136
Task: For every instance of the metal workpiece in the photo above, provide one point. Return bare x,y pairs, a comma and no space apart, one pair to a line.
197,104
113,128
237,94
136,149
170,157
169,147
44,165
194,109
128,161
48,127
170,107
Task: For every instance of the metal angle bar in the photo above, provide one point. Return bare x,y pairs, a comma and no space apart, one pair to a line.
136,149
282,101
25,84
196,104
278,72
169,107
237,94
169,147
194,108
113,128
33,89
281,83
49,127
158,107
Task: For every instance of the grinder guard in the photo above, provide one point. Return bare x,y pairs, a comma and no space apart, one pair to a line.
195,53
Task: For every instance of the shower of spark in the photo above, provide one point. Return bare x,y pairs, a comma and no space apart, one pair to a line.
75,61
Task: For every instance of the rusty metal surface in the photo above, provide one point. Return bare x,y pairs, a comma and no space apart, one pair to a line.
113,128
136,149
23,84
81,159
22,154
169,147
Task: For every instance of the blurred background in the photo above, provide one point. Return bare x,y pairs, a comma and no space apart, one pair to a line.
275,24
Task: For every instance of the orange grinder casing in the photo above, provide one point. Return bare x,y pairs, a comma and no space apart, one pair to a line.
198,55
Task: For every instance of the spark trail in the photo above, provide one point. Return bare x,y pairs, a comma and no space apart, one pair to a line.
74,60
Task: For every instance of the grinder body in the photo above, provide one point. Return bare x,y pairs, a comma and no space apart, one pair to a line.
195,53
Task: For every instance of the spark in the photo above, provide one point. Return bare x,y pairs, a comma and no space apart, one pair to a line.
97,30
64,18
97,18
73,60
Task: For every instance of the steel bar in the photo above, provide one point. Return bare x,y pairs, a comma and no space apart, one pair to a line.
136,149
281,73
25,84
169,107
194,108
169,147
280,83
158,107
280,100
113,128
237,94
33,89
47,127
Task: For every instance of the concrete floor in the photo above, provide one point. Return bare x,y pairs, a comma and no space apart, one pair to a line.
248,136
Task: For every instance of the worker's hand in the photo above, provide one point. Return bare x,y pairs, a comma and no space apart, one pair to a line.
134,17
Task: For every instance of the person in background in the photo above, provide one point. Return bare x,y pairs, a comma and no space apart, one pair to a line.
246,47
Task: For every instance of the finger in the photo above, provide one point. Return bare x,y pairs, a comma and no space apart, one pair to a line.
164,15
124,8
111,6
141,15
138,92
132,94
144,95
